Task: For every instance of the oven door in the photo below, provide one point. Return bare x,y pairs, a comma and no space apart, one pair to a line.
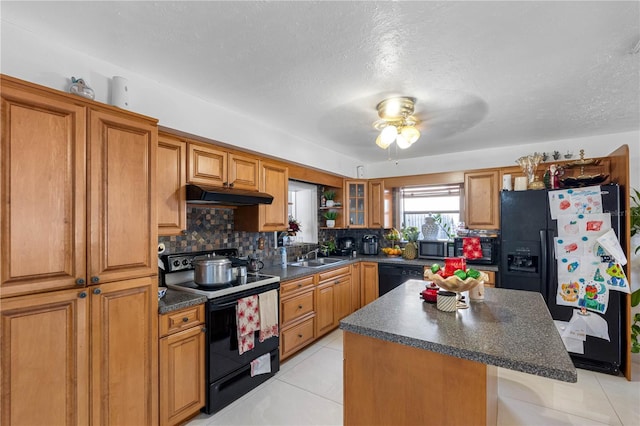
223,357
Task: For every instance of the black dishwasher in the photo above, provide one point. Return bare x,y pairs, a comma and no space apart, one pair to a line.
392,276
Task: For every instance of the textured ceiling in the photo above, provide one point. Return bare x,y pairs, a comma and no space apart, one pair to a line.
486,74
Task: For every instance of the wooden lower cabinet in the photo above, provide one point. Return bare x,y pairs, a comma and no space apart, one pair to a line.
85,356
124,352
368,282
355,287
182,364
45,359
312,306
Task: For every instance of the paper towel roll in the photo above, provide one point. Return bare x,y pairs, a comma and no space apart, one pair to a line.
120,92
506,183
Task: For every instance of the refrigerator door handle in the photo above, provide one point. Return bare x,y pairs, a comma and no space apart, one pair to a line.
552,279
543,260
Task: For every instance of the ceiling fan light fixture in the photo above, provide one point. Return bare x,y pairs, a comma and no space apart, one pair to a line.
389,134
396,124
402,142
381,144
410,133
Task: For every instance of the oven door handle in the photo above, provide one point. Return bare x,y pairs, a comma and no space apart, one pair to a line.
220,306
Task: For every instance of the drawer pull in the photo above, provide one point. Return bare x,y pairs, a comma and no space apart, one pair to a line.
299,306
299,285
95,279
185,319
80,281
300,336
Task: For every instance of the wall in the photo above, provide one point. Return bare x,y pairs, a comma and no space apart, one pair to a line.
594,146
28,57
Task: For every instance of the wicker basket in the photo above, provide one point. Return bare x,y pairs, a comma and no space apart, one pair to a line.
453,283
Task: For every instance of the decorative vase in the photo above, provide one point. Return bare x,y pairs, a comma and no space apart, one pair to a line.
331,223
330,203
80,88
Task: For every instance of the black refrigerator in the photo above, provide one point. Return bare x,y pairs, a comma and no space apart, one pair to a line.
527,262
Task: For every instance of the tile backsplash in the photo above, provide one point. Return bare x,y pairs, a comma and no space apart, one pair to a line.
212,228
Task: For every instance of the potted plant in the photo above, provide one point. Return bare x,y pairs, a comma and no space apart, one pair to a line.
331,219
294,226
328,247
329,196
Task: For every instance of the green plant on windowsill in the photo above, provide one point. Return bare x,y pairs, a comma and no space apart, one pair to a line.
634,210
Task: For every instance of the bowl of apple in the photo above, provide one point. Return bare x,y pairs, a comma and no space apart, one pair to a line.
458,281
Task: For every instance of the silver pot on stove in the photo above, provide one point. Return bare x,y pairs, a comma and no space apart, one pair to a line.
212,271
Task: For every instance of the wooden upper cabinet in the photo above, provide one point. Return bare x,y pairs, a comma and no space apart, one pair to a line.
45,359
123,233
213,166
356,203
274,180
207,165
377,204
482,199
243,172
171,177
42,192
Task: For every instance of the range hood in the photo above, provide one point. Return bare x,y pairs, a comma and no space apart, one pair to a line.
197,194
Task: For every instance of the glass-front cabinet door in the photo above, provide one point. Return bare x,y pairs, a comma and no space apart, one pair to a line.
356,203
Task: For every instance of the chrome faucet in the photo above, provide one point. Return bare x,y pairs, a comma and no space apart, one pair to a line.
314,251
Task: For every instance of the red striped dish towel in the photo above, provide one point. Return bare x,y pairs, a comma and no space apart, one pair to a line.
471,248
247,321
268,314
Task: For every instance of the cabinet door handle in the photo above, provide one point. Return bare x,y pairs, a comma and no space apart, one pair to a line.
299,285
299,306
231,185
97,291
95,279
185,319
80,281
225,184
82,295
203,329
299,336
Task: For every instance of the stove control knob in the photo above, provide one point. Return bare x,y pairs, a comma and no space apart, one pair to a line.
185,262
176,263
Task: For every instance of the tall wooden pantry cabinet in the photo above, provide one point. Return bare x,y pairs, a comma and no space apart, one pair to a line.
78,275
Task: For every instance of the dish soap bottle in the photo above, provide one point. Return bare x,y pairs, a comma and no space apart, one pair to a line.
283,257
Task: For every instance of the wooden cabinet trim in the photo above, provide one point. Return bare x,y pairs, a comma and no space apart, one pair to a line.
323,276
294,286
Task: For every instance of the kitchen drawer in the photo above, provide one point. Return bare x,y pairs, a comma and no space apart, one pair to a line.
297,337
290,287
323,276
296,307
173,322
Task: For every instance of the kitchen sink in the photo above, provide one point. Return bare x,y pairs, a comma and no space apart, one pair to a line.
316,263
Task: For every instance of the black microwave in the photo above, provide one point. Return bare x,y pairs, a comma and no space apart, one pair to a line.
436,249
489,246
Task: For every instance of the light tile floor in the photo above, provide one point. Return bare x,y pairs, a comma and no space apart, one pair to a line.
308,391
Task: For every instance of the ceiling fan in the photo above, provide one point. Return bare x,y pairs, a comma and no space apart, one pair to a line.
397,122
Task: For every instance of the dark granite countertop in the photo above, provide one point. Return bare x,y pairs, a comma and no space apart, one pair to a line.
294,272
175,300
511,329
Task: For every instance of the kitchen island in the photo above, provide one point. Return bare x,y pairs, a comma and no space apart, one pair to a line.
405,362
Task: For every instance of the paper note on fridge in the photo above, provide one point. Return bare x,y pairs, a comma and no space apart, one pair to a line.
583,225
570,344
596,326
609,241
575,201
